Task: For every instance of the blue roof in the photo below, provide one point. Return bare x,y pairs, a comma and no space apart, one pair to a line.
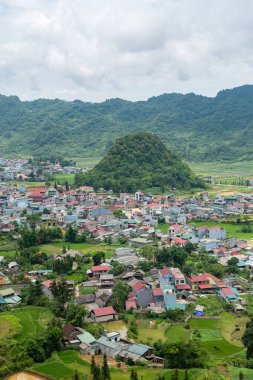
138,349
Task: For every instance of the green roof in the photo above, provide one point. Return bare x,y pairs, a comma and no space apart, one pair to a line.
86,337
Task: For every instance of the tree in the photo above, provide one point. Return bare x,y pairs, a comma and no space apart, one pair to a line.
186,375
232,265
96,373
75,377
241,375
98,257
134,375
247,339
119,295
71,235
75,314
93,364
105,369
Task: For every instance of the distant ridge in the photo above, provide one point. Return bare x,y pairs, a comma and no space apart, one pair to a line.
198,128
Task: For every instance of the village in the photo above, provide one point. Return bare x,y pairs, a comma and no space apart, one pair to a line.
133,236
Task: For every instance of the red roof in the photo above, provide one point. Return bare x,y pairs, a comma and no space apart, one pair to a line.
209,275
215,227
183,287
205,286
102,311
138,286
202,228
130,304
47,283
199,278
179,241
175,226
227,291
164,271
99,268
157,292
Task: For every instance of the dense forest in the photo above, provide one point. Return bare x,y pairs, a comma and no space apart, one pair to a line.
139,161
196,127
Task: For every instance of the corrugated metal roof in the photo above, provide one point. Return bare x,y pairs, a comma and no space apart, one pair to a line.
86,337
138,349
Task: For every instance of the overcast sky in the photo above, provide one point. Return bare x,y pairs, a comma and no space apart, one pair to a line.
134,49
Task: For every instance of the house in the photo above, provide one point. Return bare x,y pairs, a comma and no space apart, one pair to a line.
158,297
97,270
9,297
143,293
228,294
216,232
107,280
109,347
69,334
89,345
103,314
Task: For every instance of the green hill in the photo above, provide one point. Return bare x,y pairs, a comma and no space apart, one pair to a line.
198,128
140,161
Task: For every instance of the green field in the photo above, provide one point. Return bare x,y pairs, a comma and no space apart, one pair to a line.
82,247
212,336
10,326
61,366
63,178
32,320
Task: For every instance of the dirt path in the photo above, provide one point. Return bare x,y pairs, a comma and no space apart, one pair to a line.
26,376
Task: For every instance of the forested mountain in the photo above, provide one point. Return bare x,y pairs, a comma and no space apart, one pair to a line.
140,161
196,127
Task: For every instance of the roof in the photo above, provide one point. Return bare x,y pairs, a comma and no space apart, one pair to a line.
139,285
98,268
102,311
138,349
106,342
164,271
7,292
157,292
199,278
205,286
183,287
179,241
227,291
175,226
131,304
86,337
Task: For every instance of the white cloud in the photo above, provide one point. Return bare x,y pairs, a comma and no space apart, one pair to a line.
134,49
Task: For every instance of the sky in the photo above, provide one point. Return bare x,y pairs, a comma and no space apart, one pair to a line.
133,49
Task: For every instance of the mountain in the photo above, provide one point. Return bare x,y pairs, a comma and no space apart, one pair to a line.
196,127
139,161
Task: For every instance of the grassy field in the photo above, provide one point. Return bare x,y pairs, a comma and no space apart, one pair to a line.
63,178
82,247
10,326
61,366
213,339
229,332
32,320
223,169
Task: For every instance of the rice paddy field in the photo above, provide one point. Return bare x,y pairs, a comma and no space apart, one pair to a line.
23,322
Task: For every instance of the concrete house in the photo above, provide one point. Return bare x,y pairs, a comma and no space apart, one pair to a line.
103,314
143,294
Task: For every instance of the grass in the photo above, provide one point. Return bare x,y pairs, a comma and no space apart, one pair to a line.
63,178
228,328
61,366
32,320
91,248
151,331
10,326
177,333
212,337
234,373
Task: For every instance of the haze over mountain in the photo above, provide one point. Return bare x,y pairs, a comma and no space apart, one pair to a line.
194,126
140,161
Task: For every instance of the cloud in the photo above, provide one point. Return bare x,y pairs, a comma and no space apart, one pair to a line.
97,49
